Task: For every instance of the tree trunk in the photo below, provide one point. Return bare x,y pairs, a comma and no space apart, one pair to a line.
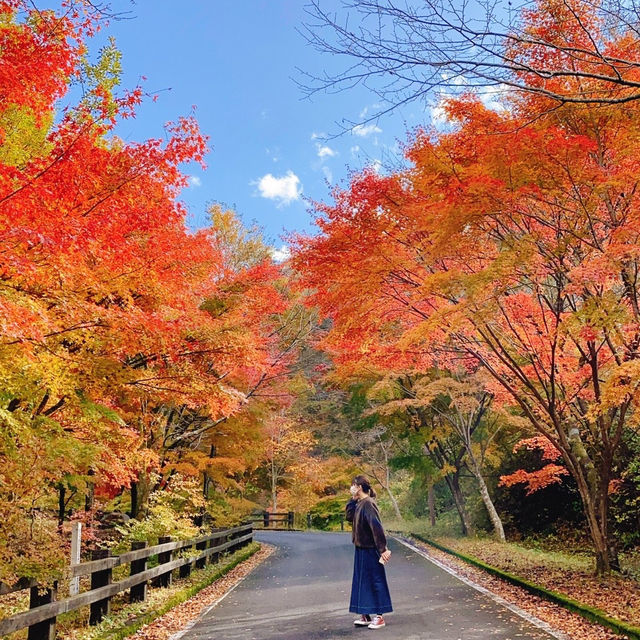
486,498
593,486
605,553
386,485
140,491
207,481
62,491
134,500
205,485
89,497
394,502
612,547
432,506
595,504
453,481
274,486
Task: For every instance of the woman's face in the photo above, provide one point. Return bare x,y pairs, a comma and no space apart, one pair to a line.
355,489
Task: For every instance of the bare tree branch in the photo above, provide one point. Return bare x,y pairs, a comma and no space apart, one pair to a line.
405,50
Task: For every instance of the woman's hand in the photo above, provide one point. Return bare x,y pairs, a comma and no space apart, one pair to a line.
385,555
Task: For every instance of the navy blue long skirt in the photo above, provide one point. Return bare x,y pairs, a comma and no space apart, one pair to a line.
369,589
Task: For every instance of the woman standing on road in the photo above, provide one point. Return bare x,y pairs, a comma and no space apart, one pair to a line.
369,590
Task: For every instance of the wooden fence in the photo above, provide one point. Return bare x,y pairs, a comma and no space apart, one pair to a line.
265,518
44,607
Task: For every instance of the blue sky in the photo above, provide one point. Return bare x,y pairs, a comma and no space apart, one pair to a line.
235,61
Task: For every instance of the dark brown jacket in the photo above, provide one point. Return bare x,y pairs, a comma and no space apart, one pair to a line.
367,531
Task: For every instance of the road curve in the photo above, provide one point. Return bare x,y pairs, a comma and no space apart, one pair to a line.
301,592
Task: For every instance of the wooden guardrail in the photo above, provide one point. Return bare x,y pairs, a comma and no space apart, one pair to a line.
44,607
267,517
264,519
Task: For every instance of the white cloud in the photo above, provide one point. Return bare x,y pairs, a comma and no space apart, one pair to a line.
438,113
365,111
325,151
284,190
355,149
194,181
282,254
457,80
364,130
318,135
491,97
328,174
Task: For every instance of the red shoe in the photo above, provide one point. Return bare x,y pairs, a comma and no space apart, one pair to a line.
377,622
362,621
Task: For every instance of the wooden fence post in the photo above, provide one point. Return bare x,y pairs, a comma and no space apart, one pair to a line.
100,578
228,538
163,580
76,546
138,592
202,562
342,522
265,517
214,557
185,569
308,521
246,543
290,519
45,630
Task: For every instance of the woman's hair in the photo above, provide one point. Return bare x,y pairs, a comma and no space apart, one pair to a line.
363,481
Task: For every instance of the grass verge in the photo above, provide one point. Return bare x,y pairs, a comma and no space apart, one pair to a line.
592,614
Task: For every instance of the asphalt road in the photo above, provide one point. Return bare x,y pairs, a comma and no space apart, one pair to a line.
302,593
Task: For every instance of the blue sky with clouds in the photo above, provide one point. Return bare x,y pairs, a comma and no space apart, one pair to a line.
235,62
